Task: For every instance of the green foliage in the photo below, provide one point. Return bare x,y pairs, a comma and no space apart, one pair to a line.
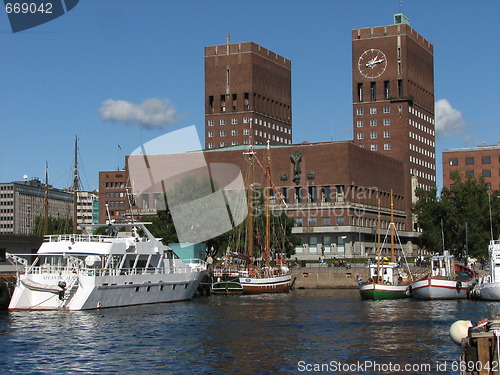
56,225
462,214
162,226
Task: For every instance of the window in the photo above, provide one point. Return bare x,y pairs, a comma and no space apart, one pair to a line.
312,222
387,134
340,220
298,194
284,193
360,136
360,92
469,161
235,101
454,161
387,146
234,132
373,111
298,222
373,122
325,194
211,145
387,121
486,160
487,185
373,91
326,221
400,88
246,120
386,91
210,122
373,148
312,194
469,174
223,103
360,111
486,173
373,135
222,133
359,123
234,143
246,131
222,144
387,109
234,121
222,121
210,134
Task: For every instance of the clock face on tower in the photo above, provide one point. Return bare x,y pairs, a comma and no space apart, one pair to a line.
372,63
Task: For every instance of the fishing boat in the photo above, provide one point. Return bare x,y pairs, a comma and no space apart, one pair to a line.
446,280
226,277
488,286
267,278
387,279
87,271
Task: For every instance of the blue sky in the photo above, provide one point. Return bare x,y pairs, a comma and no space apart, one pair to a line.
57,79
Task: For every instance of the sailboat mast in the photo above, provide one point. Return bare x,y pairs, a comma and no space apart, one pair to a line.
379,250
76,186
268,203
46,201
392,227
250,211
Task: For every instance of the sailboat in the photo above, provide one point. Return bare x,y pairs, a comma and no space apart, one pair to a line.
387,279
267,278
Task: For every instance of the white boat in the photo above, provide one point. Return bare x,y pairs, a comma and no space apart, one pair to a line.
446,280
488,286
267,280
84,271
392,283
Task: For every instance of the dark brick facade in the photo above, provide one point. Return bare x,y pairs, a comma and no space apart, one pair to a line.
247,93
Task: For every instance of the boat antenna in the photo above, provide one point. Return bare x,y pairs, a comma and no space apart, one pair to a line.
76,187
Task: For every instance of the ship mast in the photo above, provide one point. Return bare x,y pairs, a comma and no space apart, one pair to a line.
251,155
76,187
267,198
46,201
392,227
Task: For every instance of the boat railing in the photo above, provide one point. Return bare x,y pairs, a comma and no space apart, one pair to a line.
78,238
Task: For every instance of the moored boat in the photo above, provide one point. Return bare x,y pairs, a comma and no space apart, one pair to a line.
446,280
85,271
225,280
488,286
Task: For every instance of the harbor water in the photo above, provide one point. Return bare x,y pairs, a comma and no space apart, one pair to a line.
305,331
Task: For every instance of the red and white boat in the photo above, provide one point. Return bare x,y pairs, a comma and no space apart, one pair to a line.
268,280
447,280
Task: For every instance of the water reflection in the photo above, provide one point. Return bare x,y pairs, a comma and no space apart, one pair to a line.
237,334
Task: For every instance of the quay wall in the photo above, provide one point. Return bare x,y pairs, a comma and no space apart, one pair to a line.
324,277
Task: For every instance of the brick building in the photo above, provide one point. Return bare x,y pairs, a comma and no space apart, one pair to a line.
473,162
247,91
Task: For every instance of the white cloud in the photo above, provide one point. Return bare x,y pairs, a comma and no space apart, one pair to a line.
449,120
152,113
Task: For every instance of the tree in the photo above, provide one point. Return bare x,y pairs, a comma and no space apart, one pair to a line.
459,217
56,225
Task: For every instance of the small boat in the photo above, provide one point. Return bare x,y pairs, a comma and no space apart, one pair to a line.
267,280
86,271
488,286
446,280
387,279
392,284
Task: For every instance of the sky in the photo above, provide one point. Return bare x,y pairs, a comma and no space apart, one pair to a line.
118,73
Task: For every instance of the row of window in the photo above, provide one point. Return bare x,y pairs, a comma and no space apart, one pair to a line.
421,115
361,123
423,163
7,195
386,93
6,203
471,160
6,226
6,210
418,173
373,110
115,185
113,195
423,128
115,203
422,151
470,173
246,120
419,138
6,187
374,135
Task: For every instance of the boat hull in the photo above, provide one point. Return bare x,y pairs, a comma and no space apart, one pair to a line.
273,284
487,291
383,291
436,288
94,292
227,287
